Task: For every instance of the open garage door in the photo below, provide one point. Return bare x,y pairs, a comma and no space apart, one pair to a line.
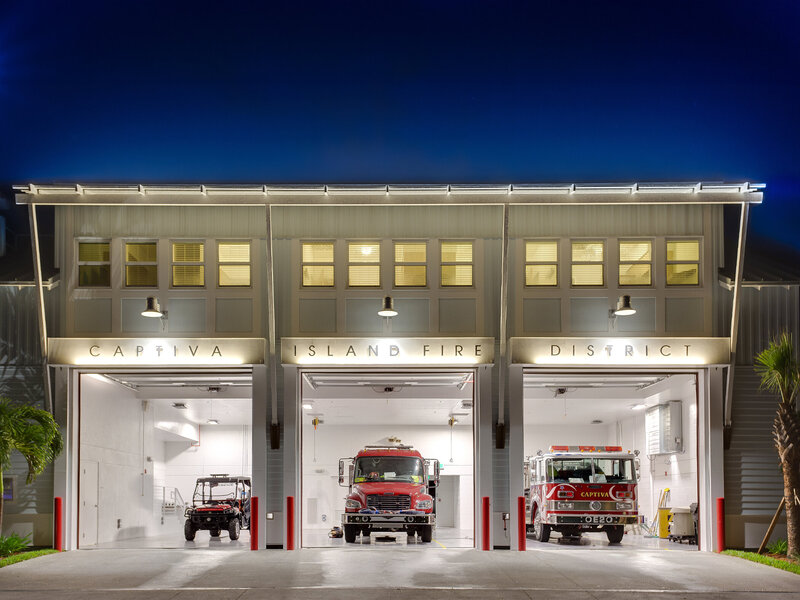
147,441
587,435
410,436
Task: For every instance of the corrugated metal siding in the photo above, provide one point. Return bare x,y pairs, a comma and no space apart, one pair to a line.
387,221
169,221
19,327
763,314
560,221
753,479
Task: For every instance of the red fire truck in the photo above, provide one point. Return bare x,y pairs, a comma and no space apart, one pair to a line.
576,489
390,490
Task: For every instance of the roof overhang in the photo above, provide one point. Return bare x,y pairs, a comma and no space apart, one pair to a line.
244,195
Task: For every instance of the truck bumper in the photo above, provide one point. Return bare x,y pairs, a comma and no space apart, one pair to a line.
387,520
592,520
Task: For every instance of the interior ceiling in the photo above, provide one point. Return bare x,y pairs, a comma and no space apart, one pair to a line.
224,395
563,399
339,398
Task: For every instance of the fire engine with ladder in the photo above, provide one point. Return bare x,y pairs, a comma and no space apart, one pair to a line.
577,489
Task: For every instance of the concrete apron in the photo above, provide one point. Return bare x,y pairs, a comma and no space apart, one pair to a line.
391,572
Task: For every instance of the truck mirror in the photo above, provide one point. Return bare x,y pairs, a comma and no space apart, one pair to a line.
341,471
435,463
638,469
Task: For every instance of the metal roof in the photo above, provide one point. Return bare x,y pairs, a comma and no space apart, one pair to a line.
766,263
532,193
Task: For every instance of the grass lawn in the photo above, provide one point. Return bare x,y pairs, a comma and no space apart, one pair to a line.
779,562
15,558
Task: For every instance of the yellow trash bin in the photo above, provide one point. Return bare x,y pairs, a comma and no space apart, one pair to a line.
664,517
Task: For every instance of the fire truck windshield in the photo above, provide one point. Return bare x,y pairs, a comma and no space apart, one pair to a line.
389,468
591,470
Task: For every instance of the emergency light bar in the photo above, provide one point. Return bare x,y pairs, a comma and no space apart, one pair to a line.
585,449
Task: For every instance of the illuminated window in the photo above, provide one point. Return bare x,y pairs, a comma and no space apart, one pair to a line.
683,262
233,268
318,264
635,262
587,263
456,264
188,269
363,264
94,264
141,264
410,264
541,263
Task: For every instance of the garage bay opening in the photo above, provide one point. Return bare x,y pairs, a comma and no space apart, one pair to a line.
611,458
165,459
388,459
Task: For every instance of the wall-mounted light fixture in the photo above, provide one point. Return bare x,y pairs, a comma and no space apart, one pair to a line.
623,308
153,309
388,308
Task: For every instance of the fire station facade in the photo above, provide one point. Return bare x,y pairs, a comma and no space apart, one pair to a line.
515,287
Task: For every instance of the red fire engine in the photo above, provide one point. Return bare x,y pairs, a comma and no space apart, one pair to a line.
391,489
576,489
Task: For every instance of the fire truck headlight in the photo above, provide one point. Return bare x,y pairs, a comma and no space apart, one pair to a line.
624,505
350,503
566,505
424,504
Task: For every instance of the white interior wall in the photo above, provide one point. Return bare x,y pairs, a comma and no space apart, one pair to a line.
117,432
322,494
678,472
541,437
222,449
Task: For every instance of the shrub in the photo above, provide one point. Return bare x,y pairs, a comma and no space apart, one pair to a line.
778,547
13,543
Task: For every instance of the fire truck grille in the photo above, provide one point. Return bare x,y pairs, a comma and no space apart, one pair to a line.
389,502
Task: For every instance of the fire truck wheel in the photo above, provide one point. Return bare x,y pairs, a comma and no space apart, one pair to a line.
614,533
350,532
189,530
541,531
426,533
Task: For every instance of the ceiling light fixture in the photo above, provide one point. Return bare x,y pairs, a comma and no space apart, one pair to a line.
308,405
388,308
638,406
212,422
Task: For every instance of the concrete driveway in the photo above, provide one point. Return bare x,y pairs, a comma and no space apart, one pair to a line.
374,572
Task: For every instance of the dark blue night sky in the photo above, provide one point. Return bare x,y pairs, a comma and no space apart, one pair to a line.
402,92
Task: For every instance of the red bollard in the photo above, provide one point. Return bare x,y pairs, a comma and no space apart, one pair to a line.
521,529
720,524
290,522
58,525
254,523
485,525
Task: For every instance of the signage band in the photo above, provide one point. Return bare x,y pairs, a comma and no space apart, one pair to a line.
387,351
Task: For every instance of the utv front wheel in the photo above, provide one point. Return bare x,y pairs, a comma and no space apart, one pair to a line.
233,529
189,530
350,532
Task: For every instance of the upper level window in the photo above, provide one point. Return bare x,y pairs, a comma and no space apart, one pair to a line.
635,262
683,262
188,268
587,263
410,264
94,264
141,264
233,264
541,263
456,264
363,264
317,264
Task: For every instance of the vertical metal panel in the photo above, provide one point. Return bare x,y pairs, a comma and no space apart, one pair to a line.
19,327
766,312
753,479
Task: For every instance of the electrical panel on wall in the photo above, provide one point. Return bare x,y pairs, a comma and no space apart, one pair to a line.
664,428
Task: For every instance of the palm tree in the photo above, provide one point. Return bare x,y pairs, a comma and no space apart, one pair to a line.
33,433
780,372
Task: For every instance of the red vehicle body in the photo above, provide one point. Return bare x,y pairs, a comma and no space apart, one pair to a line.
576,489
389,490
